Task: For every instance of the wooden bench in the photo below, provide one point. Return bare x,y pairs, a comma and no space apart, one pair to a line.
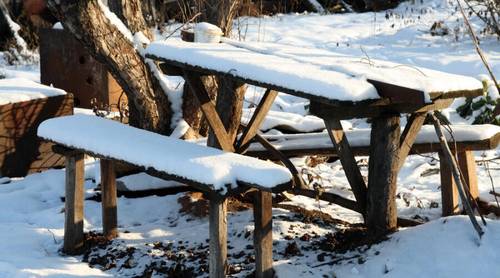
466,139
218,173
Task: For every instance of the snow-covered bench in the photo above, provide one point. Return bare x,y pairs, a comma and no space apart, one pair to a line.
465,140
210,170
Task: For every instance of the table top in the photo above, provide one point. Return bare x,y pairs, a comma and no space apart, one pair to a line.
317,74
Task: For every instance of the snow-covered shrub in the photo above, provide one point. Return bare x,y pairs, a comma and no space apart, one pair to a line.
481,109
489,12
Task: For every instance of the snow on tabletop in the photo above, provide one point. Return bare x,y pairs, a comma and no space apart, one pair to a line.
361,137
409,76
270,69
14,90
198,163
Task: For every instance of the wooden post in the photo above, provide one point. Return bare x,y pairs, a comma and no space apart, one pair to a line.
449,193
108,189
263,234
73,222
467,164
218,237
382,174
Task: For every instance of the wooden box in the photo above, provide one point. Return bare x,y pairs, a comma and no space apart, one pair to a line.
66,64
21,151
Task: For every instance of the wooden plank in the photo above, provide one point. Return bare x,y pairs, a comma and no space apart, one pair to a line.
74,199
108,188
218,237
208,108
467,164
257,119
341,144
449,193
409,135
381,216
263,234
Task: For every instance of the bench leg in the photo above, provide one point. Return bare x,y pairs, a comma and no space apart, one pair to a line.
218,237
73,222
449,193
467,164
263,234
108,189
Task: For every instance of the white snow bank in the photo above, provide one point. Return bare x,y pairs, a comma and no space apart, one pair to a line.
409,76
201,164
270,69
442,248
14,90
361,137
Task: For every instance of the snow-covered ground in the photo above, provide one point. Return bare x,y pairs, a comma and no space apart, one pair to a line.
153,232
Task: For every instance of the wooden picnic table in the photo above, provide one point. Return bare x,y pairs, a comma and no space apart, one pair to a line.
339,87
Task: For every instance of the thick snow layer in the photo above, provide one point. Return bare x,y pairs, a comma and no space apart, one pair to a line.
201,164
269,69
14,90
404,75
361,137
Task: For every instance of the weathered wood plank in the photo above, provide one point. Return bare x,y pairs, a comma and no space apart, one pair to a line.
109,209
208,108
409,135
257,119
341,144
263,234
74,193
449,193
218,237
467,165
382,175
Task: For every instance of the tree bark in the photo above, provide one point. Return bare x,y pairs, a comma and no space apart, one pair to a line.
86,20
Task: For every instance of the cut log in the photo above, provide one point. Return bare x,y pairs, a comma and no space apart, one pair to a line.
383,170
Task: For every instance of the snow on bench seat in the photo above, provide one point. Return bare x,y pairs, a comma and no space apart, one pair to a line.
13,90
361,138
203,165
407,76
268,69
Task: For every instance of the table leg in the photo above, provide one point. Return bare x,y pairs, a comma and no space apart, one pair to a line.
382,174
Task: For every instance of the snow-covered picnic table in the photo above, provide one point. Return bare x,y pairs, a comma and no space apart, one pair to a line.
339,87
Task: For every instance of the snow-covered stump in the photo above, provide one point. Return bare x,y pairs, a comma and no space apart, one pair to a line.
74,199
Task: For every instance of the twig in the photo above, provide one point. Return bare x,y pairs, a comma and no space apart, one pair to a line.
456,174
476,45
184,24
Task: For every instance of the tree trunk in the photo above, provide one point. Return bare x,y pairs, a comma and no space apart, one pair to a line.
220,13
87,21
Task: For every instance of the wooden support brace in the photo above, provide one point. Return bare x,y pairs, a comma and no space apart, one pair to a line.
348,161
409,135
263,234
218,237
208,109
73,222
449,193
256,120
108,188
383,168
